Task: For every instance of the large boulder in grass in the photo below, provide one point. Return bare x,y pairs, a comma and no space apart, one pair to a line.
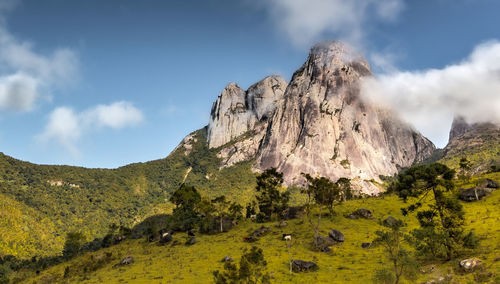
489,183
323,243
390,222
472,194
363,213
303,266
470,264
336,235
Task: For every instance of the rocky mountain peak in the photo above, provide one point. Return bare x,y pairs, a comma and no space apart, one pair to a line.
317,124
335,54
237,111
333,63
459,127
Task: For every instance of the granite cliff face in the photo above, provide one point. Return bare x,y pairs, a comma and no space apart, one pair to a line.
236,111
318,125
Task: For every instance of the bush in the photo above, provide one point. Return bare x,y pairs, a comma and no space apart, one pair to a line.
251,269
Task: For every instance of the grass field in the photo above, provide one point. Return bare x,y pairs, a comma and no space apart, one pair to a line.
346,263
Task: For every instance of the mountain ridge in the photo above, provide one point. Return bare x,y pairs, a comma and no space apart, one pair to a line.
320,126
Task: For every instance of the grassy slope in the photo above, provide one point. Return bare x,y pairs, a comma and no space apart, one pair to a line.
348,263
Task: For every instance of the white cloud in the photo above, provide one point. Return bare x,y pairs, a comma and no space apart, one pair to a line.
18,92
66,127
305,21
117,115
24,69
431,98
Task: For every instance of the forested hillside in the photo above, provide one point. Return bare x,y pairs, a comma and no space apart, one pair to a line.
41,203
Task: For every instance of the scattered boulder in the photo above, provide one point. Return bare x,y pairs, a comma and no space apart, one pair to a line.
390,222
257,234
362,213
282,224
227,259
351,216
489,183
303,266
127,260
166,237
470,264
472,194
287,237
191,241
366,245
336,235
323,243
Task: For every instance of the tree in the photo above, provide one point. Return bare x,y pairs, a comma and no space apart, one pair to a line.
441,230
73,244
344,185
251,269
250,209
235,211
221,205
186,199
270,200
324,192
403,265
465,166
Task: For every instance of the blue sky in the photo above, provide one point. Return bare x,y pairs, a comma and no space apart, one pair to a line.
106,83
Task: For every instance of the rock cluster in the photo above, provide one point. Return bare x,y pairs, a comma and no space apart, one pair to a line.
303,266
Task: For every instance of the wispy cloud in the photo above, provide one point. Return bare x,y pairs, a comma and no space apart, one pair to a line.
306,21
430,98
25,75
66,127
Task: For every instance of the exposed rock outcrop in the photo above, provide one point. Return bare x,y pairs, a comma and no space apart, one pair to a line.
317,124
459,127
323,128
237,111
472,140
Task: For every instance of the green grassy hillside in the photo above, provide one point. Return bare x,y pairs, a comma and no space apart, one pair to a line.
346,263
481,146
41,203
65,198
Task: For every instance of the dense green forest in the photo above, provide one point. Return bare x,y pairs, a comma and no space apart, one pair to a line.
40,203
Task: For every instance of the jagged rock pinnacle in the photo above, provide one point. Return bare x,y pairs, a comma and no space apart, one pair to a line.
318,124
